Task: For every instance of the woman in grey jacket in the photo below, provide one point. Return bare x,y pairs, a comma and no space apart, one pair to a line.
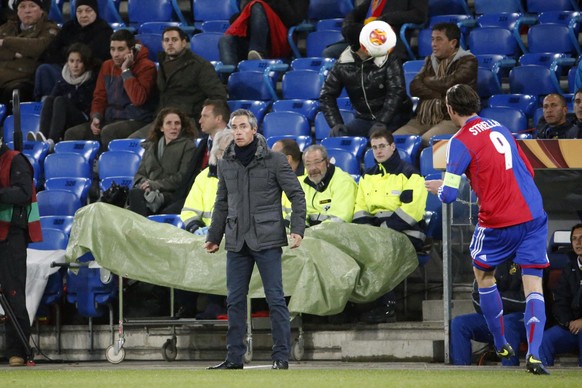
168,152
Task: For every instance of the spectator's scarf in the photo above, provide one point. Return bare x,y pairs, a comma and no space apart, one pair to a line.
277,30
375,10
432,111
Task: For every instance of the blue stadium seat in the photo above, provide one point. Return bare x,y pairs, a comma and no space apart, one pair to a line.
540,58
312,63
205,44
118,163
344,103
524,102
345,160
285,123
87,148
249,85
538,42
28,123
334,24
106,182
512,118
30,107
318,40
131,145
322,128
172,219
538,114
205,10
58,203
55,11
307,108
302,141
52,239
259,108
537,6
35,149
488,83
559,248
157,27
153,42
370,162
409,144
329,9
448,7
353,144
302,84
219,26
62,223
141,11
503,20
79,186
426,165
67,165
520,80
496,6
493,40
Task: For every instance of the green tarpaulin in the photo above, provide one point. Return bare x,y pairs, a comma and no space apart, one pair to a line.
336,262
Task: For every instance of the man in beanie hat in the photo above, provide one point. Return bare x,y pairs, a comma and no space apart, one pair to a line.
22,40
87,28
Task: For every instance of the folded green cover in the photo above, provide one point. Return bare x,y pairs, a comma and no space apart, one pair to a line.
336,262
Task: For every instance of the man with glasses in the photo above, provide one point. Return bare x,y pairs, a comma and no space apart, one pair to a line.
391,194
330,193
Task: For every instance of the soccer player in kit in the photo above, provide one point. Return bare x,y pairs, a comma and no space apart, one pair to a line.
512,221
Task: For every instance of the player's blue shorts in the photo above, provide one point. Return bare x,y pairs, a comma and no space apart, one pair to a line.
525,243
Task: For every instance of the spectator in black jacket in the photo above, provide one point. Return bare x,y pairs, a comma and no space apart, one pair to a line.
86,27
374,81
566,336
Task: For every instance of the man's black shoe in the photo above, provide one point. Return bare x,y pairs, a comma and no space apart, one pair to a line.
381,314
226,365
278,364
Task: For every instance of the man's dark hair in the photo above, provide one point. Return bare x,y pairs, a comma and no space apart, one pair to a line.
291,148
463,100
451,30
219,107
382,133
559,96
180,32
124,35
577,91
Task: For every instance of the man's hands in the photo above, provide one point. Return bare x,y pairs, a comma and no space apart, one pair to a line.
433,185
575,326
296,240
127,62
96,126
145,186
210,247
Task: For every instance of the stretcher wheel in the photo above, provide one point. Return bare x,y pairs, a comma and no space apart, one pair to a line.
248,356
298,349
169,349
112,357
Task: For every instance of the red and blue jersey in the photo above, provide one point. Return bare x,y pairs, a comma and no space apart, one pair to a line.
499,173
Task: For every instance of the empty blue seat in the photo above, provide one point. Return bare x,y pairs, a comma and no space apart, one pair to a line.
448,7
118,163
322,129
353,144
141,11
157,27
67,165
329,9
58,203
131,145
496,6
493,40
312,63
559,248
62,223
35,149
302,84
52,239
286,123
409,144
213,10
538,42
205,44
219,26
537,6
249,85
345,160
153,42
302,141
318,40
28,123
87,148
487,83
503,20
511,118
524,102
259,108
172,219
334,24
79,186
520,80
344,103
307,108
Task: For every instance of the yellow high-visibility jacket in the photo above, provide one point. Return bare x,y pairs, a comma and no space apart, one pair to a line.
332,199
200,200
392,194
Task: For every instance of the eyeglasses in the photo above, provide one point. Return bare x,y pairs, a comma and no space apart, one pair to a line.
314,163
380,146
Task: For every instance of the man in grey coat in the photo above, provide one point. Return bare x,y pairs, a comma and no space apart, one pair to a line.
251,180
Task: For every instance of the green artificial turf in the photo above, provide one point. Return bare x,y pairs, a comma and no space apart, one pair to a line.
357,378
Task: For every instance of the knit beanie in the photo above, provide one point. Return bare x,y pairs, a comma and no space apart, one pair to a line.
89,3
42,4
